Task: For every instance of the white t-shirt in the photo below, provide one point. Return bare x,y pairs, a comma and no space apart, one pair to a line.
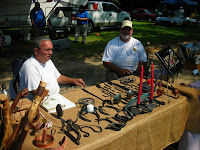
125,55
32,72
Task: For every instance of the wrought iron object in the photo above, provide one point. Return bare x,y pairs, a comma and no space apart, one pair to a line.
85,101
129,92
133,107
146,88
117,97
103,111
113,126
127,79
70,126
84,110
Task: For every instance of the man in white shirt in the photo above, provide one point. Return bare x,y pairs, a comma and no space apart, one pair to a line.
40,67
124,54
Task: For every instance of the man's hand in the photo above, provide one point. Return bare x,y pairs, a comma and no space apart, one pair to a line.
124,72
66,80
79,82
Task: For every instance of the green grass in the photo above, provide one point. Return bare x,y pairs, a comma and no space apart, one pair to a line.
95,44
144,31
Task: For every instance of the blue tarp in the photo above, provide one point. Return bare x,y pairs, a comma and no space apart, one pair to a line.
179,2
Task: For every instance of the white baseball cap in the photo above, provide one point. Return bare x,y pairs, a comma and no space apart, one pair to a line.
127,23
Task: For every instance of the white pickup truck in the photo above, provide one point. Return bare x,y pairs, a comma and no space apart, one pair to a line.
101,14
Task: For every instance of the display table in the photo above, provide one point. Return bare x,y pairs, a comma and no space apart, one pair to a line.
155,130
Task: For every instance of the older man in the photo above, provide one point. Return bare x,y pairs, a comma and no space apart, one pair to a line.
40,67
124,54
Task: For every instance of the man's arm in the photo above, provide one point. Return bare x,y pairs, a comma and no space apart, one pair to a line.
119,71
66,80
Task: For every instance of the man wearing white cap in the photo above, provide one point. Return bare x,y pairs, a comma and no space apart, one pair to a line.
124,54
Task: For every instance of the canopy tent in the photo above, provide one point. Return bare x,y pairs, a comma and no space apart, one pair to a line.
179,2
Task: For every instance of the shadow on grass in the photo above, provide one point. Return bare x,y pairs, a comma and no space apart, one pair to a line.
95,43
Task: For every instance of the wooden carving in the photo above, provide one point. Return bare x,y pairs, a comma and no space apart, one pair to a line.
6,120
29,117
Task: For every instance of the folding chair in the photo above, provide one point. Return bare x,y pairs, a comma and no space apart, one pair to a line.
14,83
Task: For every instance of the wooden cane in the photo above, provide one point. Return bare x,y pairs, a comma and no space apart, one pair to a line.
22,93
30,116
6,120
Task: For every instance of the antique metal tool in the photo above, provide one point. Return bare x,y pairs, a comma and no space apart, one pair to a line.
117,97
70,126
129,92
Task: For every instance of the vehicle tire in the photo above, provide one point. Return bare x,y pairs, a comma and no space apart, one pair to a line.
150,20
90,27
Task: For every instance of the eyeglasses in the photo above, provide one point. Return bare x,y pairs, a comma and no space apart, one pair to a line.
48,50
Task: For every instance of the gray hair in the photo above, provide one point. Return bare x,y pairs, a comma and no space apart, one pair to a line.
38,40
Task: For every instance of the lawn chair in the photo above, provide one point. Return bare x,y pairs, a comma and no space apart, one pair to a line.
14,83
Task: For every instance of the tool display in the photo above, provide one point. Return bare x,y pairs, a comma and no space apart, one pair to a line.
121,99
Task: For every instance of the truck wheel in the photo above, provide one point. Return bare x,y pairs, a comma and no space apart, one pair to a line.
90,27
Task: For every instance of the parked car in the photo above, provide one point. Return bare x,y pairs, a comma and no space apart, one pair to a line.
142,14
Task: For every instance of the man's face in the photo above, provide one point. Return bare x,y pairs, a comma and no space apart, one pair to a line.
44,52
126,33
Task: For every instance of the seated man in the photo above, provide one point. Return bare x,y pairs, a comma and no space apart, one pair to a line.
40,67
124,55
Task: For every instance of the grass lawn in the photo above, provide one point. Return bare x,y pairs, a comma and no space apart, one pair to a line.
95,44
144,31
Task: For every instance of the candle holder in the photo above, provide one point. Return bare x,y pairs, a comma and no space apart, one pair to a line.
45,140
134,108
